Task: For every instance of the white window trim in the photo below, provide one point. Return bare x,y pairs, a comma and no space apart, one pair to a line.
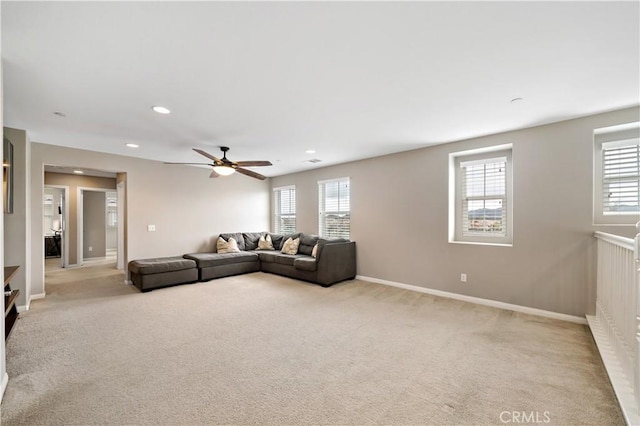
455,203
322,182
613,135
273,200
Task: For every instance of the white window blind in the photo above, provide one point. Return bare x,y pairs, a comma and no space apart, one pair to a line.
616,174
481,196
284,201
621,177
335,208
484,197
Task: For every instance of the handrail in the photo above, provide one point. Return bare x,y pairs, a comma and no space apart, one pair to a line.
623,242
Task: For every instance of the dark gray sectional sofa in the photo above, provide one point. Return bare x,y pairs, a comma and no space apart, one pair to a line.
335,261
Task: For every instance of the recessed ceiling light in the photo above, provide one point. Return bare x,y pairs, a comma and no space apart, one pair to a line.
310,151
132,145
161,110
516,100
78,172
60,114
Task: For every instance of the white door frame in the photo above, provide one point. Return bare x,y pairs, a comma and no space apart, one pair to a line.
80,216
120,190
65,229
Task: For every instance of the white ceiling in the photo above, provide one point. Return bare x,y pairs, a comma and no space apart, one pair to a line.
271,80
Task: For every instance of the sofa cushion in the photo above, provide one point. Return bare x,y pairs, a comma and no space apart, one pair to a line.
207,260
265,243
290,246
307,242
251,240
236,236
268,256
286,259
305,263
277,240
160,264
230,246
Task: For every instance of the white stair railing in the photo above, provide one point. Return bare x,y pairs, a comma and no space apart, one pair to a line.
616,325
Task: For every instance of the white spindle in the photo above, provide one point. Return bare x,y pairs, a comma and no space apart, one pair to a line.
618,313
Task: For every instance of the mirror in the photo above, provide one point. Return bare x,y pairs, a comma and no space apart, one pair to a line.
7,176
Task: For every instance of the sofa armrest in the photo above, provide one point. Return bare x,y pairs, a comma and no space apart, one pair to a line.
336,262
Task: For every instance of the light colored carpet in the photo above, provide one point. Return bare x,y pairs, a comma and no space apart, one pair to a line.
263,349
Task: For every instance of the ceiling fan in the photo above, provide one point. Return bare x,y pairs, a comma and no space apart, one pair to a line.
226,167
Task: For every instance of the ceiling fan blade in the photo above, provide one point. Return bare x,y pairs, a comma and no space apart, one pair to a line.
253,163
206,154
213,174
194,164
250,173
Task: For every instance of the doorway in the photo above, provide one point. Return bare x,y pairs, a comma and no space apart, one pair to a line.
55,219
110,247
98,226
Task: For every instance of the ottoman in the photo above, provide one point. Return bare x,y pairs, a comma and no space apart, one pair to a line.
147,274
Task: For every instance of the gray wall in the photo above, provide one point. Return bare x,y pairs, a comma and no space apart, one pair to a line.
94,224
188,209
16,229
399,218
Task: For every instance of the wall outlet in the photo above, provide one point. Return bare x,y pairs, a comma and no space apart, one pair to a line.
151,228
463,278
90,248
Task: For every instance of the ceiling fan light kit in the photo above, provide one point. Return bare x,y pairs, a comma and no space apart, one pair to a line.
223,170
226,167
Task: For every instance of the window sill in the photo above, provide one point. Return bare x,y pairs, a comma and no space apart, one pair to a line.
615,224
476,243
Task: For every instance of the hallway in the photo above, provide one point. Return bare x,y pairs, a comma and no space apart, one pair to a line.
99,278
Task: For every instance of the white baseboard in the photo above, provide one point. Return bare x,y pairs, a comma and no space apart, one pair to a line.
24,308
128,282
478,300
3,386
621,386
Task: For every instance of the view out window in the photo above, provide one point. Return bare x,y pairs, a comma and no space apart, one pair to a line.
284,202
335,209
617,174
480,200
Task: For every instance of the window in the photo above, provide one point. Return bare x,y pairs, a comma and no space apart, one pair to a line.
112,209
335,209
480,199
284,202
617,174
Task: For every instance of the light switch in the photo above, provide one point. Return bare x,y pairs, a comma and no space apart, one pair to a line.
151,228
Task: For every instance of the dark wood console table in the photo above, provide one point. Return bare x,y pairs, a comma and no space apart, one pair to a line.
10,296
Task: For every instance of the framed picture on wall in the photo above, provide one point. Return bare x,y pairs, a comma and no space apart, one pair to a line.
7,176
